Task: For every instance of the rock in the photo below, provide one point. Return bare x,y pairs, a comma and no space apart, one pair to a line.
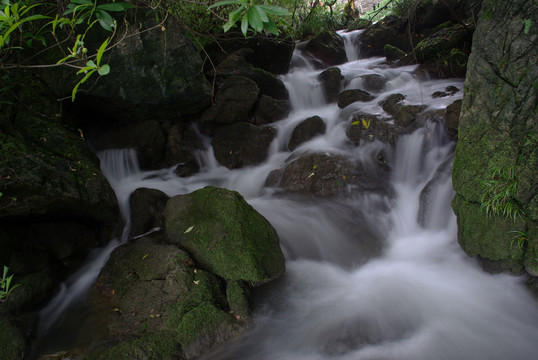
452,119
347,97
373,82
147,211
392,53
326,175
183,142
153,73
331,80
225,235
11,341
270,110
236,64
497,141
234,101
389,30
404,115
242,144
327,47
158,295
147,138
368,127
306,130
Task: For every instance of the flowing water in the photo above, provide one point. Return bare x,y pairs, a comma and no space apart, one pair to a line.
371,276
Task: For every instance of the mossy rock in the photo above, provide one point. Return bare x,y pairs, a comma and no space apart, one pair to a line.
158,346
225,235
11,341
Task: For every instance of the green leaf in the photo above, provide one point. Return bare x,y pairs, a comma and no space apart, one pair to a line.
274,10
254,20
527,26
225,2
105,20
271,27
244,25
75,89
261,13
119,6
101,51
91,64
104,70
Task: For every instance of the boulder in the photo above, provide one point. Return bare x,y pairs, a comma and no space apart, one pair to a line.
306,130
183,142
389,30
225,235
147,211
331,81
327,47
347,97
327,175
234,101
368,127
242,144
373,82
270,110
452,119
497,147
404,115
236,64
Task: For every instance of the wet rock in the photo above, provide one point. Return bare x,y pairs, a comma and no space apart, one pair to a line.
350,96
234,101
306,130
331,80
452,119
237,65
328,47
225,235
404,115
183,142
326,175
392,53
242,144
270,110
147,138
369,127
390,30
147,211
11,341
373,82
449,91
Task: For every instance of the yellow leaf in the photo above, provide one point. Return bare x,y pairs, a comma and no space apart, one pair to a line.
189,229
356,122
196,282
145,256
311,174
314,167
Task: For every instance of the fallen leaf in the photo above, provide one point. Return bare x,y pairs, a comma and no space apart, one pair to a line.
189,229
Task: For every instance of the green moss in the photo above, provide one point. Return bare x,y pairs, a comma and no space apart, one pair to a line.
11,341
158,346
238,295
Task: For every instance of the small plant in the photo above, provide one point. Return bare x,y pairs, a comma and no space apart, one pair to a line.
5,285
520,238
498,194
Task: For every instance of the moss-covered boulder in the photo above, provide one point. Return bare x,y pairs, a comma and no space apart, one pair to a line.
225,235
495,168
11,341
327,47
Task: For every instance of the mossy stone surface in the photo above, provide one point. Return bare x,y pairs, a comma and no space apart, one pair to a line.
11,341
225,235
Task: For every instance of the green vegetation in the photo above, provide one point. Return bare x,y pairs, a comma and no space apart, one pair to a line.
498,193
5,285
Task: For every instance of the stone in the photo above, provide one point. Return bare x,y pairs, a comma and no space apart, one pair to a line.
306,130
269,110
331,82
242,144
347,97
225,235
327,47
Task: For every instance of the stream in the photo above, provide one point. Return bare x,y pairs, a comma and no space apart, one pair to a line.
369,276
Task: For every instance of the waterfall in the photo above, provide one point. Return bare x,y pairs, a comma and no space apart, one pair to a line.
369,276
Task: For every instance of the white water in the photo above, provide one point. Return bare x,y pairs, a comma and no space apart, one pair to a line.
366,277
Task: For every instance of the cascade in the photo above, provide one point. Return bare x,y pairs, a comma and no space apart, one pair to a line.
373,275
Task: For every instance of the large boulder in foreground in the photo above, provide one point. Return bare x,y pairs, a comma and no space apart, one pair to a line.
225,235
495,168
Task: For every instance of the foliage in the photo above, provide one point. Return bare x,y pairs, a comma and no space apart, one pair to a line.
25,24
254,16
521,237
5,285
498,194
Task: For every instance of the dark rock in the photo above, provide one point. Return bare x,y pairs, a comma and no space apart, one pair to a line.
147,138
225,235
147,211
306,130
331,80
325,175
392,53
236,64
452,119
183,142
350,96
242,144
373,82
497,138
234,101
390,30
404,115
272,54
368,127
270,110
328,47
